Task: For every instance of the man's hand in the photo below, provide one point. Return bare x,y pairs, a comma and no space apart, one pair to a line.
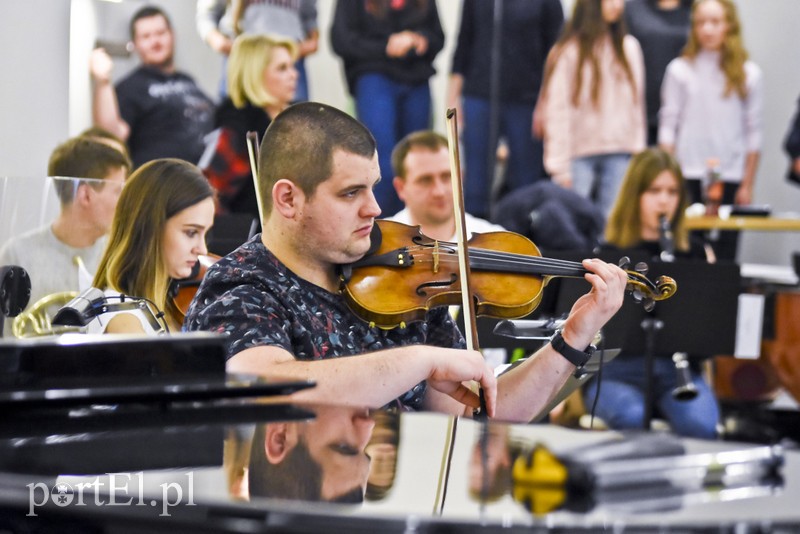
100,65
594,309
450,371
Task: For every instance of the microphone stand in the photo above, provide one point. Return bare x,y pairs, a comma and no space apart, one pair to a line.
651,326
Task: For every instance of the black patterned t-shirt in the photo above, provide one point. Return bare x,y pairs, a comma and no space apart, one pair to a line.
255,299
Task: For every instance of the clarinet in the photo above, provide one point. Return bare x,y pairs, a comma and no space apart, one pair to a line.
665,239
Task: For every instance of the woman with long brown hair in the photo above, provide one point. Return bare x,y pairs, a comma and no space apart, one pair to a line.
593,102
159,230
653,193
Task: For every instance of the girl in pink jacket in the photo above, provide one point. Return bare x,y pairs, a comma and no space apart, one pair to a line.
593,113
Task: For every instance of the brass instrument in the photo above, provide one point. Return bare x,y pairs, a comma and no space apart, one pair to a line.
36,321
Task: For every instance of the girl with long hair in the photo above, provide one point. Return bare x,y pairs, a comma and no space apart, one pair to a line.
593,102
160,223
653,188
711,102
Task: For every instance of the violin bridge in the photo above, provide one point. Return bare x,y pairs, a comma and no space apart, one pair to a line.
435,257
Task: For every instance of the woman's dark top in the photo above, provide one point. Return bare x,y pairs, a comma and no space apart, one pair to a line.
227,165
359,37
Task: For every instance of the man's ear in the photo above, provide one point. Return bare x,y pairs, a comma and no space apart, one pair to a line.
399,186
279,440
83,194
286,198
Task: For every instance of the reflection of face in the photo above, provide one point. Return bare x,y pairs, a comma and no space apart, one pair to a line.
280,76
337,440
104,201
185,238
153,40
491,458
336,220
710,25
612,10
426,189
661,198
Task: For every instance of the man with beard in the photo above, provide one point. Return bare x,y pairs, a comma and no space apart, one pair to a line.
159,111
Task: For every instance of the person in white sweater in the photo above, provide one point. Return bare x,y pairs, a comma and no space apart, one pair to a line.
593,113
87,174
711,107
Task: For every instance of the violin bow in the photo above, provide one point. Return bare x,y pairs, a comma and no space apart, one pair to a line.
252,152
467,300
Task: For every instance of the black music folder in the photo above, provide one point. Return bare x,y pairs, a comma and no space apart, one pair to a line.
700,319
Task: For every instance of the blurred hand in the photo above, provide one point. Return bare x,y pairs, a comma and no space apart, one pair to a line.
399,44
100,65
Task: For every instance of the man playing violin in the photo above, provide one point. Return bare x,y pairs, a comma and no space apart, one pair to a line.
277,296
421,164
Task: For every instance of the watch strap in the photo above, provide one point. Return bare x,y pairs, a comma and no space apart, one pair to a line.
576,357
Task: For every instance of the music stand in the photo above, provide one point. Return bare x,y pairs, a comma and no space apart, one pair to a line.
700,319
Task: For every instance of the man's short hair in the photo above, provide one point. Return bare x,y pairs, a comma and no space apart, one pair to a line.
299,146
144,13
83,157
428,139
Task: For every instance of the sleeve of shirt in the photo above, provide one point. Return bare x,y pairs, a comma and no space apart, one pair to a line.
126,100
753,112
347,37
208,15
466,34
308,15
671,104
433,31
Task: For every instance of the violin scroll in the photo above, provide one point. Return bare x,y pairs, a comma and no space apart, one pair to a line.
648,293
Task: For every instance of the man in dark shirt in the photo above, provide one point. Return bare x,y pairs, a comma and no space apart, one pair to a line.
278,296
157,110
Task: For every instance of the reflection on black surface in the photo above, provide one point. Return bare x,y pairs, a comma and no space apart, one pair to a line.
382,450
319,460
490,464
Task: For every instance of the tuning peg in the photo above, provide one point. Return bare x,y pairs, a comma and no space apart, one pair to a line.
641,268
623,262
648,305
637,295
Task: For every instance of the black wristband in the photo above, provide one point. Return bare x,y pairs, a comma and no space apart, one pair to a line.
576,357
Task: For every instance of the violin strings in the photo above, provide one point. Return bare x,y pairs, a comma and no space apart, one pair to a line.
480,258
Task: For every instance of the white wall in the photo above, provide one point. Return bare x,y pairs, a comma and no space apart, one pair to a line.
34,58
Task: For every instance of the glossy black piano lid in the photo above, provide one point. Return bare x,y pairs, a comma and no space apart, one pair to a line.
246,466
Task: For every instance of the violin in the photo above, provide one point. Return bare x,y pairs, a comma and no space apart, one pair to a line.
406,273
183,291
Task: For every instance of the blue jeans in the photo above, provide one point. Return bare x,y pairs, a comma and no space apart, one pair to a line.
622,397
391,110
599,178
524,164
